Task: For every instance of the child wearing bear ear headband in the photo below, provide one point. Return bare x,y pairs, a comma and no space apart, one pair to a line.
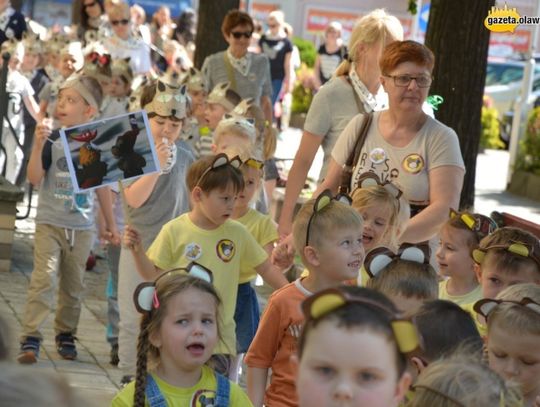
179,330
459,236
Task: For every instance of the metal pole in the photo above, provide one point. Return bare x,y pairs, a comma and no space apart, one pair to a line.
3,103
521,103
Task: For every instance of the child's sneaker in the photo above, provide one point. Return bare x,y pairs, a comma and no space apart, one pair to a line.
65,345
29,350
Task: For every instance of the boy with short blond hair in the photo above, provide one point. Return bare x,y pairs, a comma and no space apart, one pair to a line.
507,257
328,237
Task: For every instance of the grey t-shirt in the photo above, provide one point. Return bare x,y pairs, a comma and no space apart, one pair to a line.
408,167
168,200
257,83
58,205
332,108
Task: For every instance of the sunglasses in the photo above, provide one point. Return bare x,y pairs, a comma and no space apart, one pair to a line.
331,299
240,34
322,202
145,296
88,5
124,21
220,160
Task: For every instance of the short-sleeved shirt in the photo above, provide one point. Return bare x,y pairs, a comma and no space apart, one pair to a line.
434,145
17,87
133,48
257,83
38,79
58,204
276,341
333,106
263,229
184,397
276,49
225,251
470,297
329,61
480,325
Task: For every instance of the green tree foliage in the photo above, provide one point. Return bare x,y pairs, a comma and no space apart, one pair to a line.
529,155
307,51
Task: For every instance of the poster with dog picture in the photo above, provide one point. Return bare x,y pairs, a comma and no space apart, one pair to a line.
109,150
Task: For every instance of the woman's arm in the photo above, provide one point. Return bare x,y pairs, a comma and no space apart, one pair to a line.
289,71
297,176
316,69
32,107
445,185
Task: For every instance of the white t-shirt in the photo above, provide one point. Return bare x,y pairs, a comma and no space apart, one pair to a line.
435,145
136,49
17,87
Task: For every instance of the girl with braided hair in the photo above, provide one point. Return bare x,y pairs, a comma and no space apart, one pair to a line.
179,330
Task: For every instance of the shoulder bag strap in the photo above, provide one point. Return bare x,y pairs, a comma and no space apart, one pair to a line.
348,168
230,71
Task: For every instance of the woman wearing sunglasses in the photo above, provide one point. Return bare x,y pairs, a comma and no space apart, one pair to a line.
404,145
122,44
248,73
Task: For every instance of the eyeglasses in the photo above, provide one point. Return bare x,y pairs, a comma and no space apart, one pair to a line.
220,160
240,34
422,81
88,5
322,202
124,21
331,299
145,295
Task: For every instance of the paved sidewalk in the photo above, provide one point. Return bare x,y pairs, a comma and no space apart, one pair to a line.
91,374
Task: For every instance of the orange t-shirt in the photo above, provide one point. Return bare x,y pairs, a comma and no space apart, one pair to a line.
276,340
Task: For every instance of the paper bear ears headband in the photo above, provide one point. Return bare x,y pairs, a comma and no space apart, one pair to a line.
517,248
168,101
220,160
193,80
380,257
247,125
480,224
218,95
486,306
145,295
331,299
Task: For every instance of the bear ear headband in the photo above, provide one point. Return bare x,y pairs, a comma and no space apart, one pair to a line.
380,257
247,125
487,305
242,108
368,179
481,225
331,299
194,80
145,295
322,202
220,160
168,101
219,96
518,248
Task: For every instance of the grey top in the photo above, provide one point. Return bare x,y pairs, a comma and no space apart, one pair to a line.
58,205
168,200
257,83
333,106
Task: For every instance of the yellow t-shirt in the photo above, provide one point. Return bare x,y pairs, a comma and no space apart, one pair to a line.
263,229
225,251
185,397
478,319
469,298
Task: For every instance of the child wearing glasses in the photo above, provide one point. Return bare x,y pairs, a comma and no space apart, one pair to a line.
180,327
208,236
328,237
513,326
507,257
152,200
352,351
459,236
122,44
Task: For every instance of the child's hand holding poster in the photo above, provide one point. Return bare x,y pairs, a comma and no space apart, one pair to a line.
109,150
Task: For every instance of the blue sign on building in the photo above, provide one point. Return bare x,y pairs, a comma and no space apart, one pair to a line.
151,6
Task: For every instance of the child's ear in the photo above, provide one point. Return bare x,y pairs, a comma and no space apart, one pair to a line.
214,148
402,387
478,272
196,194
155,339
311,255
91,112
418,364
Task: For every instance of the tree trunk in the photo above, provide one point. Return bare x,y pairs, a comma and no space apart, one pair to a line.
209,39
459,40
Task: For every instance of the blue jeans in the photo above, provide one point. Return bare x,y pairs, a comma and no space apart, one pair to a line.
276,88
246,316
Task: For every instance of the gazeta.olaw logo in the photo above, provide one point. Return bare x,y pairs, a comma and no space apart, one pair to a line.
507,19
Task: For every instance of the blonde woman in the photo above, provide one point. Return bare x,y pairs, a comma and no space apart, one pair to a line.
350,92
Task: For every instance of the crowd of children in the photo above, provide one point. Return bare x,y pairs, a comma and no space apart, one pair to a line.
372,321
